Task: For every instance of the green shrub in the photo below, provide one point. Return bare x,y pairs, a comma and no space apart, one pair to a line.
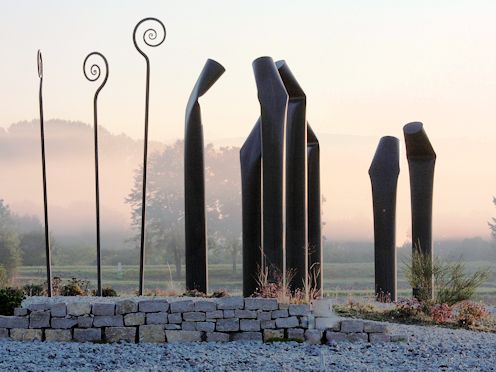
420,273
10,298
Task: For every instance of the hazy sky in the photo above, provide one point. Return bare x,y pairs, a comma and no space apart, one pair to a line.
367,67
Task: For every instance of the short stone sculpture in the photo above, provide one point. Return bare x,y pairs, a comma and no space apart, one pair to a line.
421,162
384,172
194,182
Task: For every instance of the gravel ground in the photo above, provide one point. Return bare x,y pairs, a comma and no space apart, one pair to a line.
429,348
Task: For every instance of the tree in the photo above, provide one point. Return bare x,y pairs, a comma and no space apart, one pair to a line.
165,202
10,256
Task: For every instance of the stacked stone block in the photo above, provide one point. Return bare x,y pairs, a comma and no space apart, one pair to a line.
182,320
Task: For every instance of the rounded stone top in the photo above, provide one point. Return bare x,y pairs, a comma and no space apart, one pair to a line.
413,127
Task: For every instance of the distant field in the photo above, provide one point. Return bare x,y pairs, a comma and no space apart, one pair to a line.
340,279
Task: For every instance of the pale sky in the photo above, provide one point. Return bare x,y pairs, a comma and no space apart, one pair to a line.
367,67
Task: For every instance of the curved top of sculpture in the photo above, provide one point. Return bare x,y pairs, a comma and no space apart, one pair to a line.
386,157
292,86
418,146
150,35
211,72
270,86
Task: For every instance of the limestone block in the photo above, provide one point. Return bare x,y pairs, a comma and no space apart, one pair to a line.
78,308
264,315
247,336
245,314
283,313
182,306
20,311
153,306
188,326
268,324
290,322
228,313
355,337
156,318
14,321
183,336
375,338
4,333
230,303
172,326
261,304
175,318
87,334
58,335
296,334
322,308
270,334
327,323
108,321
151,333
103,309
352,326
63,323
21,334
205,326
373,327
42,306
313,336
217,337
85,321
249,325
227,325
126,307
332,337
39,319
303,322
134,319
118,334
194,316
299,309
205,306
217,314
58,310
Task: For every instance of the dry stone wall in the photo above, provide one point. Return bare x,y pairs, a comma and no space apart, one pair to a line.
186,320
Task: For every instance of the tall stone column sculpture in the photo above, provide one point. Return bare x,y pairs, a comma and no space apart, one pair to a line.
383,173
421,162
296,181
315,267
273,100
194,182
251,190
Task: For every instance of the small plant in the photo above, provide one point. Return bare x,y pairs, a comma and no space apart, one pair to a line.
468,313
75,287
34,289
406,308
10,298
106,292
441,313
56,285
219,293
420,273
194,293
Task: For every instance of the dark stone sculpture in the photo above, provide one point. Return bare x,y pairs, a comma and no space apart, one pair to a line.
384,172
315,266
273,103
421,163
194,182
251,190
296,181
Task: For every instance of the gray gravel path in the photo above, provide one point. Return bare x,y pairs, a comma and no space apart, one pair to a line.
429,348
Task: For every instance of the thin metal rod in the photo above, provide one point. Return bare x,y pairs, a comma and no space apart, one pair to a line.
149,38
43,167
95,73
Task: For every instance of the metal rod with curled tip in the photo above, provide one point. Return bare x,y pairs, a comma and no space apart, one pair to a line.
421,162
315,267
296,181
273,100
48,252
149,38
94,74
194,182
251,193
383,173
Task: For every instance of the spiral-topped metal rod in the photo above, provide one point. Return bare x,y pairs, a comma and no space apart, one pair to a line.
43,168
150,39
93,73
